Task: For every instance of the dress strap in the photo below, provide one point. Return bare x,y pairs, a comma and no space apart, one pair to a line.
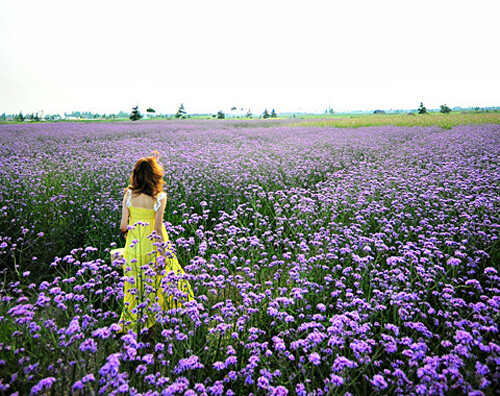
129,198
161,196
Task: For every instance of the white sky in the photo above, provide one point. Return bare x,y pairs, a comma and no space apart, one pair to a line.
106,56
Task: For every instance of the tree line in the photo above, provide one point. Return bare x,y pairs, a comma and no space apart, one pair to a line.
181,113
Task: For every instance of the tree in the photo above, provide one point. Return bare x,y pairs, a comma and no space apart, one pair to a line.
181,113
221,115
150,111
136,115
249,114
422,109
19,117
265,114
445,109
273,114
233,108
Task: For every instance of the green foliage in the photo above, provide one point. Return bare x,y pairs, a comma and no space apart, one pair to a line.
273,114
422,109
221,115
442,120
150,110
445,109
181,113
136,115
19,117
249,114
266,114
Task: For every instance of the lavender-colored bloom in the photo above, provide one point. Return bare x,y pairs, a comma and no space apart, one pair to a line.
78,386
379,382
280,391
463,337
263,382
230,360
314,358
218,366
190,363
336,380
44,384
74,326
112,365
300,389
217,389
89,345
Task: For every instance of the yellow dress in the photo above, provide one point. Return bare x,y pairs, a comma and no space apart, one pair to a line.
147,293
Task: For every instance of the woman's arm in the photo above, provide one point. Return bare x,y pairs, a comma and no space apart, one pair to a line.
125,213
159,221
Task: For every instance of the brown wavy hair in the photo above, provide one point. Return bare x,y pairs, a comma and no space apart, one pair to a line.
147,176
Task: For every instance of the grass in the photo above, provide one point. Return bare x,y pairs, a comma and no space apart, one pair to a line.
442,120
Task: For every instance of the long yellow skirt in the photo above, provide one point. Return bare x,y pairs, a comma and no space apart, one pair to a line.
146,293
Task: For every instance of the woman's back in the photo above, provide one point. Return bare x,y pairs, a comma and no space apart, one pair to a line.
142,201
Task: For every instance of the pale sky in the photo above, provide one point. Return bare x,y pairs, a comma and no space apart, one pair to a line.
106,56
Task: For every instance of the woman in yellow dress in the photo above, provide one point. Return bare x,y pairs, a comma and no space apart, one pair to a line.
150,265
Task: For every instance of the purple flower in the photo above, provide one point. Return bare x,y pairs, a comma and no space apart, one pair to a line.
314,358
280,391
279,345
44,384
112,365
336,380
263,382
217,389
190,363
378,382
463,337
218,366
300,389
74,326
78,385
453,261
88,378
230,360
88,345
148,359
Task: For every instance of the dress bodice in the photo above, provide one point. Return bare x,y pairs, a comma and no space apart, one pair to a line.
156,206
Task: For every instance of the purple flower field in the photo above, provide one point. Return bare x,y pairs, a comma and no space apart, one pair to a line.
323,261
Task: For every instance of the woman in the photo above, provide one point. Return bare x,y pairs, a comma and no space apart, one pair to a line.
150,266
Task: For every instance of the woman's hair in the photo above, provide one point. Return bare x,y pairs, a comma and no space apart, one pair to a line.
147,176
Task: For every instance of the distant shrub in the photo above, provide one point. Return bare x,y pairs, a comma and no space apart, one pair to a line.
266,114
136,115
181,113
19,117
422,109
445,109
221,115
